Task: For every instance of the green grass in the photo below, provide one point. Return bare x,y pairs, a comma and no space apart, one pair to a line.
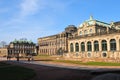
89,63
3,64
49,58
15,73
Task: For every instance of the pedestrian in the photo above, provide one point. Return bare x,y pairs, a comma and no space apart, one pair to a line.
28,58
32,58
8,57
17,58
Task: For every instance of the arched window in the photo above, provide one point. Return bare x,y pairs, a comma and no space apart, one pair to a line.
104,45
112,44
89,46
96,46
77,47
85,32
82,46
80,32
90,31
71,47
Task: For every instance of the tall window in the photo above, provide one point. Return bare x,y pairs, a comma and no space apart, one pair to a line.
82,46
80,32
85,32
96,46
112,44
89,46
71,47
77,47
104,45
90,30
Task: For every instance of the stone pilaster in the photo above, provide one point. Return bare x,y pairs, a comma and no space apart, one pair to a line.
74,47
79,47
108,45
100,45
117,44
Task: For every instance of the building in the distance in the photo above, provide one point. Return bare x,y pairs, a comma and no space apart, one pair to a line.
56,44
21,47
3,51
93,39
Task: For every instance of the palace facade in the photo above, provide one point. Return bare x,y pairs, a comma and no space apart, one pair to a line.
19,48
56,44
91,39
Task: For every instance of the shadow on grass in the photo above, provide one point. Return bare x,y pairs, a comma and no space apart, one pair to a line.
12,72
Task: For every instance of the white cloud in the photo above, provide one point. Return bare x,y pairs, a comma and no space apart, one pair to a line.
21,26
28,7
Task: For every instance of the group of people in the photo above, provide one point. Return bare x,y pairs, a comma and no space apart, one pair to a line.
8,57
30,58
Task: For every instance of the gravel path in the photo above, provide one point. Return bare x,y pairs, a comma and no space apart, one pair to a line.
63,71
55,73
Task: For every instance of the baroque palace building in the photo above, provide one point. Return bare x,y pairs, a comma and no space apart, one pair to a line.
56,44
91,39
20,48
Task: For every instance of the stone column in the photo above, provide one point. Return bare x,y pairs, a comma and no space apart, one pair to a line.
74,47
108,48
79,46
85,46
100,48
68,47
92,44
117,44
100,45
85,49
108,45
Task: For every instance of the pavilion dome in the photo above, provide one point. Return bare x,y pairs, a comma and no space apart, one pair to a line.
92,21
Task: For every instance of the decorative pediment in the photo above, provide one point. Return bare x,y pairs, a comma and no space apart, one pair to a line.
91,22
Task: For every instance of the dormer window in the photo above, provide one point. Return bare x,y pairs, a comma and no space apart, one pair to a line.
80,32
90,30
85,32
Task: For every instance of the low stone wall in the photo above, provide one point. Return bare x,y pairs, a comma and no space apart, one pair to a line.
93,59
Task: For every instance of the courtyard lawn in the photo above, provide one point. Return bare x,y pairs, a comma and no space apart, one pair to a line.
54,59
2,64
11,72
89,63
43,58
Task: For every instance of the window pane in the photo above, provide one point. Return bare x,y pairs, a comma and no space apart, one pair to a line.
77,47
71,47
82,46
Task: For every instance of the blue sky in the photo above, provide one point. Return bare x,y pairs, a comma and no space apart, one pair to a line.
32,19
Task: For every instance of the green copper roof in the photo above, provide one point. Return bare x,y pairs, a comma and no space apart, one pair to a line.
15,41
22,41
92,21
